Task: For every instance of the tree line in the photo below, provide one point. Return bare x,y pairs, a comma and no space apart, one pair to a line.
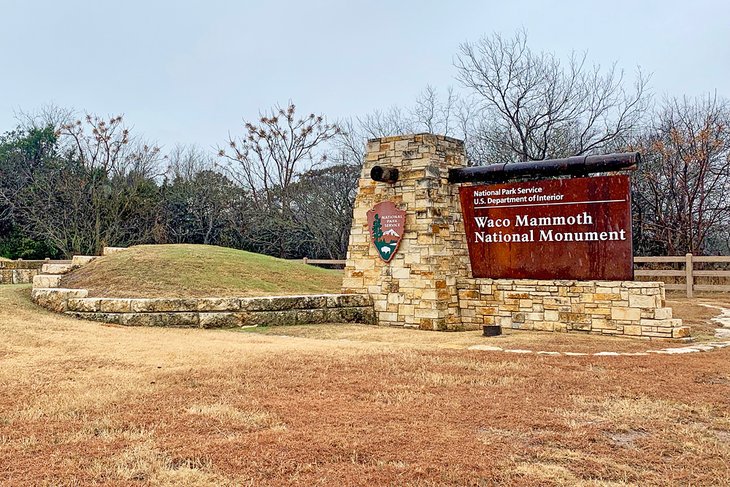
285,185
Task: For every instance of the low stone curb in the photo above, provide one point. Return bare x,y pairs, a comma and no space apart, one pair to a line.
704,347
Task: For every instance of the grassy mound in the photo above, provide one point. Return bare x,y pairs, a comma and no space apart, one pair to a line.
189,271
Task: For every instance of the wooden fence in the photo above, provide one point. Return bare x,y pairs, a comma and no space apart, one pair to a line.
688,273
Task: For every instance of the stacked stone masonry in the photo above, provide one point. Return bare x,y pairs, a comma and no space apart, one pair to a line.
428,283
418,287
599,307
19,271
209,312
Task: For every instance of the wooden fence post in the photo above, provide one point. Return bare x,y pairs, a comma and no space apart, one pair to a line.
689,268
305,260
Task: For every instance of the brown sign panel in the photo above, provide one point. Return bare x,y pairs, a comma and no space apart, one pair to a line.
386,223
551,229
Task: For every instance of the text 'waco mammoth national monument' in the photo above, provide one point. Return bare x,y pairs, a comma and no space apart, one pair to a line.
437,250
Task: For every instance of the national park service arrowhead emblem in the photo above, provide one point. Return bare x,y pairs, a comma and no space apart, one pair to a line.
386,223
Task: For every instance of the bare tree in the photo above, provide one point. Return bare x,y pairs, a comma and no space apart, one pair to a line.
542,109
681,191
433,114
97,189
267,160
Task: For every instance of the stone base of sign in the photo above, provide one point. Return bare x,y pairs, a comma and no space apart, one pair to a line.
626,308
428,284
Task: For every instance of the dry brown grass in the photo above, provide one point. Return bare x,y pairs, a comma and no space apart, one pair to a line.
84,404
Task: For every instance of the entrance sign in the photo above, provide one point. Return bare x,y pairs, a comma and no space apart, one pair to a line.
550,229
386,224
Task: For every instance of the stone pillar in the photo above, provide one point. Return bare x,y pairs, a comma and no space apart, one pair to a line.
418,287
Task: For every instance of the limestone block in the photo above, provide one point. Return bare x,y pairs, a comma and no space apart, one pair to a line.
218,304
141,305
163,305
578,326
657,324
348,300
535,316
504,321
606,297
23,276
112,250
363,314
599,311
623,313
55,299
551,315
113,318
662,313
171,319
380,305
388,317
79,260
427,313
638,284
544,326
86,305
353,283
56,268
666,333
632,330
220,320
115,305
643,301
43,281
603,324
574,318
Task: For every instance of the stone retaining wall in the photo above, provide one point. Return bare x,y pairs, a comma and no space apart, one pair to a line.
627,308
209,312
19,271
198,312
225,312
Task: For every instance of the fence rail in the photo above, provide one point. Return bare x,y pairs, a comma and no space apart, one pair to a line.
689,273
307,260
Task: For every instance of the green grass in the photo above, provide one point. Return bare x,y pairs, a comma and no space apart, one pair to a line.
198,271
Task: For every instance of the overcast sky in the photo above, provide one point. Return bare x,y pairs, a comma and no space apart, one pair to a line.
190,72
